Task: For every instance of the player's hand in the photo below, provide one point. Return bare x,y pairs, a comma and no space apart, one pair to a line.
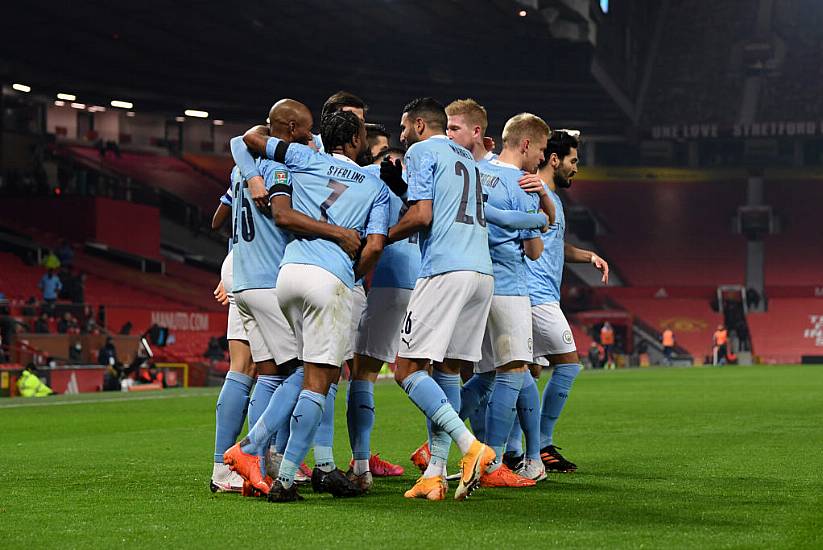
602,266
545,227
531,183
349,240
488,144
221,295
392,175
257,190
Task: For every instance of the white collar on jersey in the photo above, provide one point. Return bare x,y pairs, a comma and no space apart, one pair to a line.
498,162
343,157
439,136
489,156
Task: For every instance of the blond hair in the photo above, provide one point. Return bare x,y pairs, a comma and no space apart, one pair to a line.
472,110
524,126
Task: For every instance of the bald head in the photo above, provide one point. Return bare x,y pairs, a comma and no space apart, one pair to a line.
290,121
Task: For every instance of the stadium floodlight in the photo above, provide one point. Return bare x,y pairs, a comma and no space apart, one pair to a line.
78,105
522,13
131,114
67,97
59,103
180,119
122,104
97,109
21,87
218,122
195,113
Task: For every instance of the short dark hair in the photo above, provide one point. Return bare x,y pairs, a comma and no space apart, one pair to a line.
429,109
374,130
390,151
341,99
338,128
561,143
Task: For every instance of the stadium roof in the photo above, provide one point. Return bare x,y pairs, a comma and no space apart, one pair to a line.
234,59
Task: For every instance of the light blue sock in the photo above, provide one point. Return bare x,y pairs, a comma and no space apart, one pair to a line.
514,443
430,398
280,407
230,412
282,437
266,385
474,398
304,422
528,412
440,440
324,438
360,417
554,397
502,409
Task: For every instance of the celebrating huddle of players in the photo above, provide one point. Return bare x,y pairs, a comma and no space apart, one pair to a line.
463,251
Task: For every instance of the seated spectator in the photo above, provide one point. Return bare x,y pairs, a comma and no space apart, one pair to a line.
41,326
68,324
108,353
30,308
213,351
594,356
76,352
50,285
126,328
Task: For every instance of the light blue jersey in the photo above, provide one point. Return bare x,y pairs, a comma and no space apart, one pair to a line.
500,185
399,265
546,272
334,189
445,173
258,243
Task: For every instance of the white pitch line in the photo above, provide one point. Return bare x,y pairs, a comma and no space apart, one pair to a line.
43,401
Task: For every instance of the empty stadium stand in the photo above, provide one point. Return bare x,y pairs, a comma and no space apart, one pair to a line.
792,328
163,172
218,167
668,233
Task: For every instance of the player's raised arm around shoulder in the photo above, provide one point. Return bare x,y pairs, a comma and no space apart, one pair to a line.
582,256
377,228
512,219
531,183
249,171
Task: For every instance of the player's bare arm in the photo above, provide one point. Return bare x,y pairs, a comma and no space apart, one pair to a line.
220,216
370,255
581,256
416,218
297,222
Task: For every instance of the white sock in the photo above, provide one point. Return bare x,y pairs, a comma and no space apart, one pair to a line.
361,467
436,467
465,440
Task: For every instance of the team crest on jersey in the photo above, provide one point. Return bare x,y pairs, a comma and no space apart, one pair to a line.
281,176
567,336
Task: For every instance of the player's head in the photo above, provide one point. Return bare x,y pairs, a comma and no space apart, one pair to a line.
561,156
526,135
345,101
343,132
393,154
377,137
290,121
422,118
467,122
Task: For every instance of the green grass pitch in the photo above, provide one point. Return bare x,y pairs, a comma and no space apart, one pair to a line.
701,457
